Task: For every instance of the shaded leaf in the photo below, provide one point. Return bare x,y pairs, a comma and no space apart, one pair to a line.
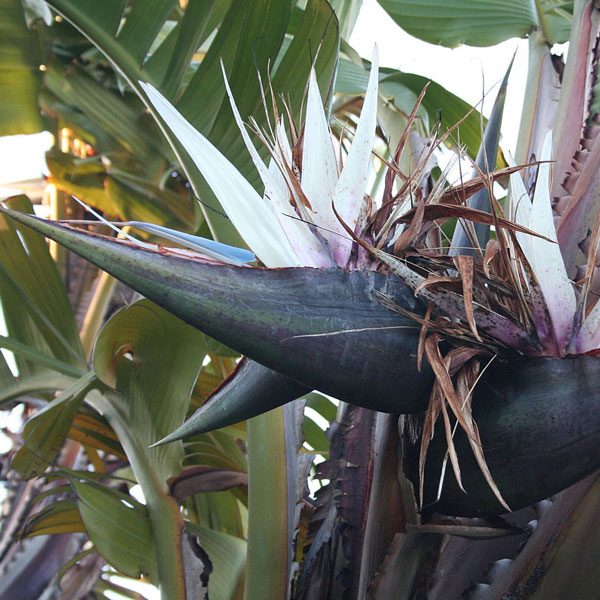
20,59
45,433
154,380
478,22
119,527
62,516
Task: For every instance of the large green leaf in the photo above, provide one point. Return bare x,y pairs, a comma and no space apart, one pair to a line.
44,434
92,431
401,91
119,527
169,66
62,516
20,59
152,359
39,320
251,37
480,22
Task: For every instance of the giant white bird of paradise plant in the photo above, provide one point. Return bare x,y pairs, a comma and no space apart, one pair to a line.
374,308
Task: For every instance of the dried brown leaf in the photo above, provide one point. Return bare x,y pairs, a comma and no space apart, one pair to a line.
464,265
449,211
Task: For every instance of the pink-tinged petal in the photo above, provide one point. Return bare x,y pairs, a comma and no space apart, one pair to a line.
548,263
248,212
588,337
352,185
310,251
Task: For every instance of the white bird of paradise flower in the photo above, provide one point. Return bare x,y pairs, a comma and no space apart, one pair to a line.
278,237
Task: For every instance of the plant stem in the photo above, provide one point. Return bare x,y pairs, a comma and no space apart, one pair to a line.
165,517
56,200
268,548
94,316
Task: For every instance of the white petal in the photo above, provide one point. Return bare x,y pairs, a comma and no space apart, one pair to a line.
548,263
319,164
256,158
249,214
310,251
520,212
352,185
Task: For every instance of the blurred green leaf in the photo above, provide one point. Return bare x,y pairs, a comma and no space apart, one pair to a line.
93,431
401,91
315,436
20,58
322,404
137,199
40,323
35,356
152,359
480,22
62,516
125,123
119,527
45,432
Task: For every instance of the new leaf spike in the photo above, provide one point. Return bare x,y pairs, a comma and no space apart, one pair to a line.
295,321
486,163
249,391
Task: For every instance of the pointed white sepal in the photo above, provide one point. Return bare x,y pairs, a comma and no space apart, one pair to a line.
520,212
319,164
249,214
351,187
547,261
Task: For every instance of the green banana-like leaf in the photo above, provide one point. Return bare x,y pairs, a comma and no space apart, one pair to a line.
20,77
121,119
45,433
92,431
151,361
119,527
35,304
250,37
480,22
401,91
42,334
154,380
290,320
62,516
